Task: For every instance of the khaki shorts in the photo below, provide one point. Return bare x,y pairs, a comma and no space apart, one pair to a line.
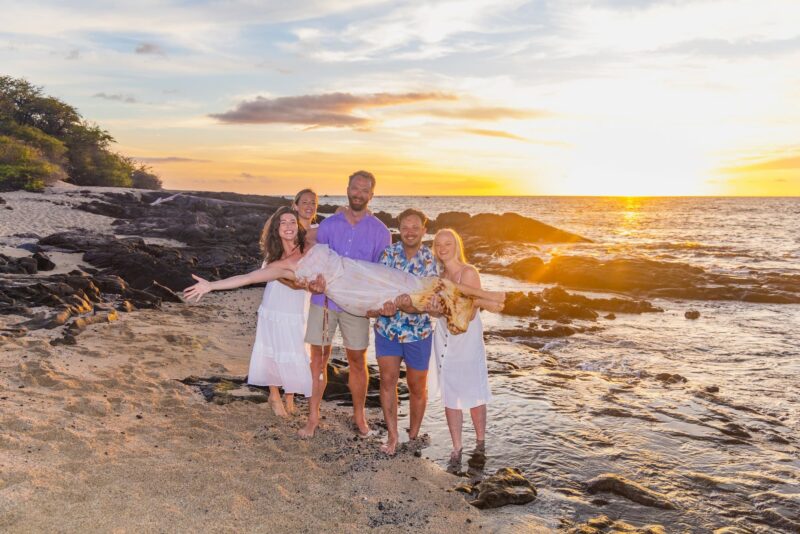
355,329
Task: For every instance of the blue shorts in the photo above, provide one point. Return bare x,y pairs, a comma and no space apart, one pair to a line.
417,354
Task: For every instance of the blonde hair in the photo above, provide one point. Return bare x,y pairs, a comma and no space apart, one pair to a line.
460,256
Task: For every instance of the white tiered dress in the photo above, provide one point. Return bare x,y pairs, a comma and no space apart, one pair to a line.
280,357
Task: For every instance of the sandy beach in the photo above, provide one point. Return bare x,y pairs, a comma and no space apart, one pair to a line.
101,436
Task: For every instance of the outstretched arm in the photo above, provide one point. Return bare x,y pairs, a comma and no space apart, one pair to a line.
481,294
470,286
273,271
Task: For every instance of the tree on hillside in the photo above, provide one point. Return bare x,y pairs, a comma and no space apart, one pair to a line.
43,139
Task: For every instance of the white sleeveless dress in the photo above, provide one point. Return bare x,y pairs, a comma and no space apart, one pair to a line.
280,356
460,373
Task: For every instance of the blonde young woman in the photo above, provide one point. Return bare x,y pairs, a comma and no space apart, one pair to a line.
459,372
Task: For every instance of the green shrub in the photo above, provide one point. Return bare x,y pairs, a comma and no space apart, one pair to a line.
51,148
23,166
143,178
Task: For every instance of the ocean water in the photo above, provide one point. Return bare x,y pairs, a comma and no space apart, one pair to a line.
591,403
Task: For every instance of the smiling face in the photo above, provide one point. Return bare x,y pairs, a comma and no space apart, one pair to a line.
359,193
287,227
306,206
447,247
411,231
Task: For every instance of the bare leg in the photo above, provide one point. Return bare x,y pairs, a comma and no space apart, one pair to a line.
276,403
418,399
357,382
290,407
319,380
454,421
390,373
478,414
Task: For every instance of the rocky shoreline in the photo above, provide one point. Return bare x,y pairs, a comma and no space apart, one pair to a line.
141,254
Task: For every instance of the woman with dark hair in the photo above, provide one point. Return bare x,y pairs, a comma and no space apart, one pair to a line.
279,357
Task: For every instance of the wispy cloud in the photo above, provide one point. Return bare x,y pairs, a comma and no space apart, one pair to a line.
481,113
495,133
251,176
150,48
117,97
788,163
413,31
336,110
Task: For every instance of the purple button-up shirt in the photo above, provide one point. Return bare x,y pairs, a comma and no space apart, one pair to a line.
364,241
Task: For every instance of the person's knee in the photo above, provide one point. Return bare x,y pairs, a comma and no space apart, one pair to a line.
389,381
357,359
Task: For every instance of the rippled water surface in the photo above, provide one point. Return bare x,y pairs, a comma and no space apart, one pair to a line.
724,445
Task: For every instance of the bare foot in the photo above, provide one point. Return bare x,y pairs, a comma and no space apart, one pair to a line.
390,447
291,409
454,463
307,432
277,408
362,428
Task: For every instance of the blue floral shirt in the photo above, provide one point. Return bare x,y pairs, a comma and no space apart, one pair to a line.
407,327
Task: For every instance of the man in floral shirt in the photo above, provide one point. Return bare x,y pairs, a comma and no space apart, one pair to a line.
405,334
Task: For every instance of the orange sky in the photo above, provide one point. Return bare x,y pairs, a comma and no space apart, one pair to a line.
441,97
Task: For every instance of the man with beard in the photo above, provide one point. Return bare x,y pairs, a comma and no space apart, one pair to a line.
404,334
353,233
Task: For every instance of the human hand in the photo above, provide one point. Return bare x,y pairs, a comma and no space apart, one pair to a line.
403,302
372,314
318,285
388,309
434,306
294,284
196,291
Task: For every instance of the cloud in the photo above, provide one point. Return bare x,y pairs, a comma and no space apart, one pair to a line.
413,31
485,113
334,110
116,97
495,133
170,159
250,176
73,54
150,48
789,163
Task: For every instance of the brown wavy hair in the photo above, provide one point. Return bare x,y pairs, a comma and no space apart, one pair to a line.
271,243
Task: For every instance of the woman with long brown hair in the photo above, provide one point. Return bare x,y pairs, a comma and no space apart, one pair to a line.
279,358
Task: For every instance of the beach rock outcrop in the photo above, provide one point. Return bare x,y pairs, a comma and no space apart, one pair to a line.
138,263
507,486
629,489
661,279
602,524
77,295
43,262
557,302
692,314
24,265
505,227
